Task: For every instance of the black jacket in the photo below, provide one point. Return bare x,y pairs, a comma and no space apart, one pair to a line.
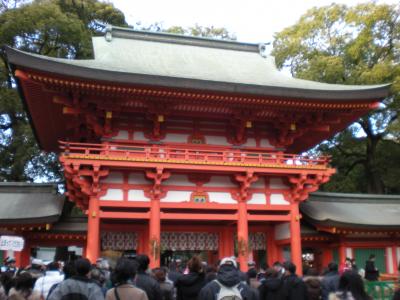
295,287
149,285
371,272
329,284
189,285
228,276
272,289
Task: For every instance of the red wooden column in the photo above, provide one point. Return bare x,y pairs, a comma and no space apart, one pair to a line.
155,194
242,224
154,233
295,238
342,253
243,235
395,260
26,254
225,243
327,256
93,235
272,249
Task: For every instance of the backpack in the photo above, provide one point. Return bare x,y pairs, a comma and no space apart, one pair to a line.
228,293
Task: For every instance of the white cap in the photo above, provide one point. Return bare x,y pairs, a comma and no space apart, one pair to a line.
228,261
37,261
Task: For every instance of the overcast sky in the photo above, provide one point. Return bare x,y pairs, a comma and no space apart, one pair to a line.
251,20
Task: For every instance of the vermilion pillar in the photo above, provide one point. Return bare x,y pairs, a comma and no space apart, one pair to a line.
93,236
225,244
295,238
342,253
154,233
327,257
243,235
272,249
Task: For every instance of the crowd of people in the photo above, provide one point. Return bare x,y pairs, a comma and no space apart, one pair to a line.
131,279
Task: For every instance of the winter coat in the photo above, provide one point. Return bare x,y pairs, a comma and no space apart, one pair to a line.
329,284
341,296
23,295
189,285
228,276
167,290
272,289
313,288
371,272
44,283
126,292
149,285
295,287
77,287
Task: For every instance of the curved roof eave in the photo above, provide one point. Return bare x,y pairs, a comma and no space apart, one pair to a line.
60,67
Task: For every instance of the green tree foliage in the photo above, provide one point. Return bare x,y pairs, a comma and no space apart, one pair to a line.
59,28
203,31
352,45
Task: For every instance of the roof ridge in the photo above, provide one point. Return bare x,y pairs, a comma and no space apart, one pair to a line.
130,33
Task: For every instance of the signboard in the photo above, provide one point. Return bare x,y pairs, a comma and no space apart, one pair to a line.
14,243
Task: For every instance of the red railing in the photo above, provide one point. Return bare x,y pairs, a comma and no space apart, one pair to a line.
157,153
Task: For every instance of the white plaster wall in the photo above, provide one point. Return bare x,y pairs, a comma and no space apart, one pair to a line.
139,135
258,198
277,183
176,138
114,177
137,195
221,197
122,135
178,179
113,195
138,178
177,196
389,257
349,252
278,199
220,181
259,184
282,231
398,255
251,142
216,140
265,143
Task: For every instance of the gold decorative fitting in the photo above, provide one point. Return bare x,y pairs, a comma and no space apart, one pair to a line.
108,114
94,214
249,124
47,226
293,126
160,118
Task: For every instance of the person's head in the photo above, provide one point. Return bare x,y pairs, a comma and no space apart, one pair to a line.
251,264
102,264
277,266
24,282
347,262
271,273
333,267
160,274
372,257
82,266
53,266
290,267
125,270
252,273
352,282
69,270
97,275
143,261
10,262
195,265
228,261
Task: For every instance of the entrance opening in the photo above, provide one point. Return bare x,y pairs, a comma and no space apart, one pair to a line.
183,256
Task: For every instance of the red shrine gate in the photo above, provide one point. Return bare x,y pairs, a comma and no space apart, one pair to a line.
151,147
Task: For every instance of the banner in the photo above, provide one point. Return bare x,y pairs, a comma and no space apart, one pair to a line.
14,243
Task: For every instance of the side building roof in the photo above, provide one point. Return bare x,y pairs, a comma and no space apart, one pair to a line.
29,203
352,210
126,56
